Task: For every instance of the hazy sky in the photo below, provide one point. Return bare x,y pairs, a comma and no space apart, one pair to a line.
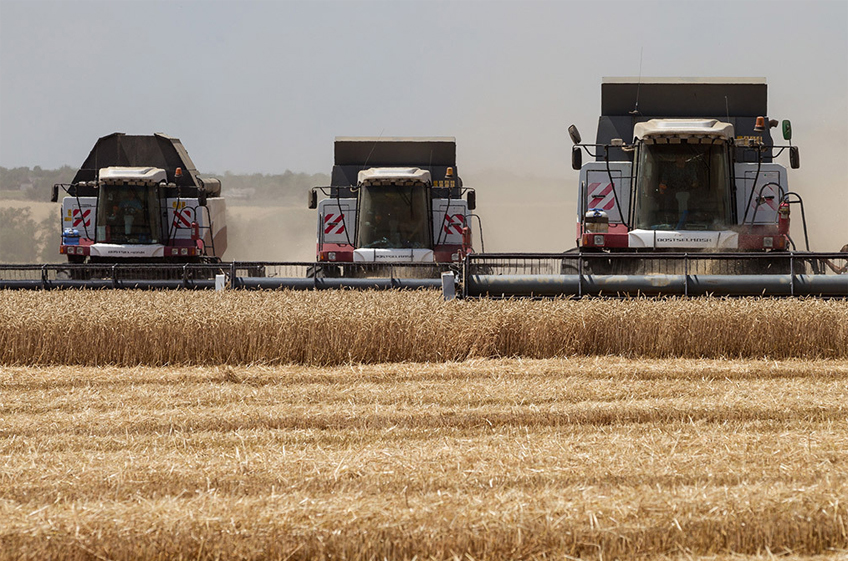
266,86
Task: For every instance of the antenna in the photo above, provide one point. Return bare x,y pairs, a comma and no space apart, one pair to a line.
638,84
365,165
727,109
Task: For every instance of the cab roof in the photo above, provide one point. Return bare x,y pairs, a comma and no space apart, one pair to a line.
393,176
657,129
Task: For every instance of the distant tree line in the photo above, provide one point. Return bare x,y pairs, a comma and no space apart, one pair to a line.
23,240
33,184
36,184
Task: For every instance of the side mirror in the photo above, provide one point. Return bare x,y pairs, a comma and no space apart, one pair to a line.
55,196
794,156
787,130
201,197
576,157
471,196
574,134
313,199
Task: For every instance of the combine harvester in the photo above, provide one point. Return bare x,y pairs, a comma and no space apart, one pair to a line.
139,199
393,216
684,198
137,214
392,201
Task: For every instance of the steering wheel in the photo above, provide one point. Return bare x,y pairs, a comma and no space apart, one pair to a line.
382,242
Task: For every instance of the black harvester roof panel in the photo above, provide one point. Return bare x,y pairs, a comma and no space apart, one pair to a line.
627,101
373,152
353,154
685,97
158,150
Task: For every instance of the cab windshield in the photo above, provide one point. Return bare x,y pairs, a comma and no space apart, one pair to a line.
128,214
683,187
394,216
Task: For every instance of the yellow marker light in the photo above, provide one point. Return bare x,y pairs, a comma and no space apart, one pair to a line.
449,172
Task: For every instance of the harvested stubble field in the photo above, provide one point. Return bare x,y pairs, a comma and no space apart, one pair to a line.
275,448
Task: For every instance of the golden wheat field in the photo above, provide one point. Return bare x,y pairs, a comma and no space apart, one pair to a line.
129,328
396,426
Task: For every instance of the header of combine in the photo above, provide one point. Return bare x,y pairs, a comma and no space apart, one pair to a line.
684,165
140,198
394,200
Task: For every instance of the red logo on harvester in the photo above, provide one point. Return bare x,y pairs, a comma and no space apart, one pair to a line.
454,223
334,224
85,216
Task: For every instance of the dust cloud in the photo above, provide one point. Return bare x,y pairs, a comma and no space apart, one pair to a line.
524,213
271,233
822,182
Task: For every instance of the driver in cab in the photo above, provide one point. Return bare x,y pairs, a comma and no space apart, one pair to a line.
386,229
129,207
677,182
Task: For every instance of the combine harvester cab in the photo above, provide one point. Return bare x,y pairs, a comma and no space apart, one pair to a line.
684,197
394,208
140,200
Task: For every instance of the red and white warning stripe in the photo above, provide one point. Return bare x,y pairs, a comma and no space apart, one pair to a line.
334,223
183,218
454,223
601,196
769,197
78,219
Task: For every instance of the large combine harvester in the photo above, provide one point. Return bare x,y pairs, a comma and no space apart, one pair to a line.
394,202
140,200
685,196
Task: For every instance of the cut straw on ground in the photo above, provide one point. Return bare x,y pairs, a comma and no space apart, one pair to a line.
587,457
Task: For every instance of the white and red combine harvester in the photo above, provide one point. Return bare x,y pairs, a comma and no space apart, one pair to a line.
684,197
392,201
684,165
139,199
